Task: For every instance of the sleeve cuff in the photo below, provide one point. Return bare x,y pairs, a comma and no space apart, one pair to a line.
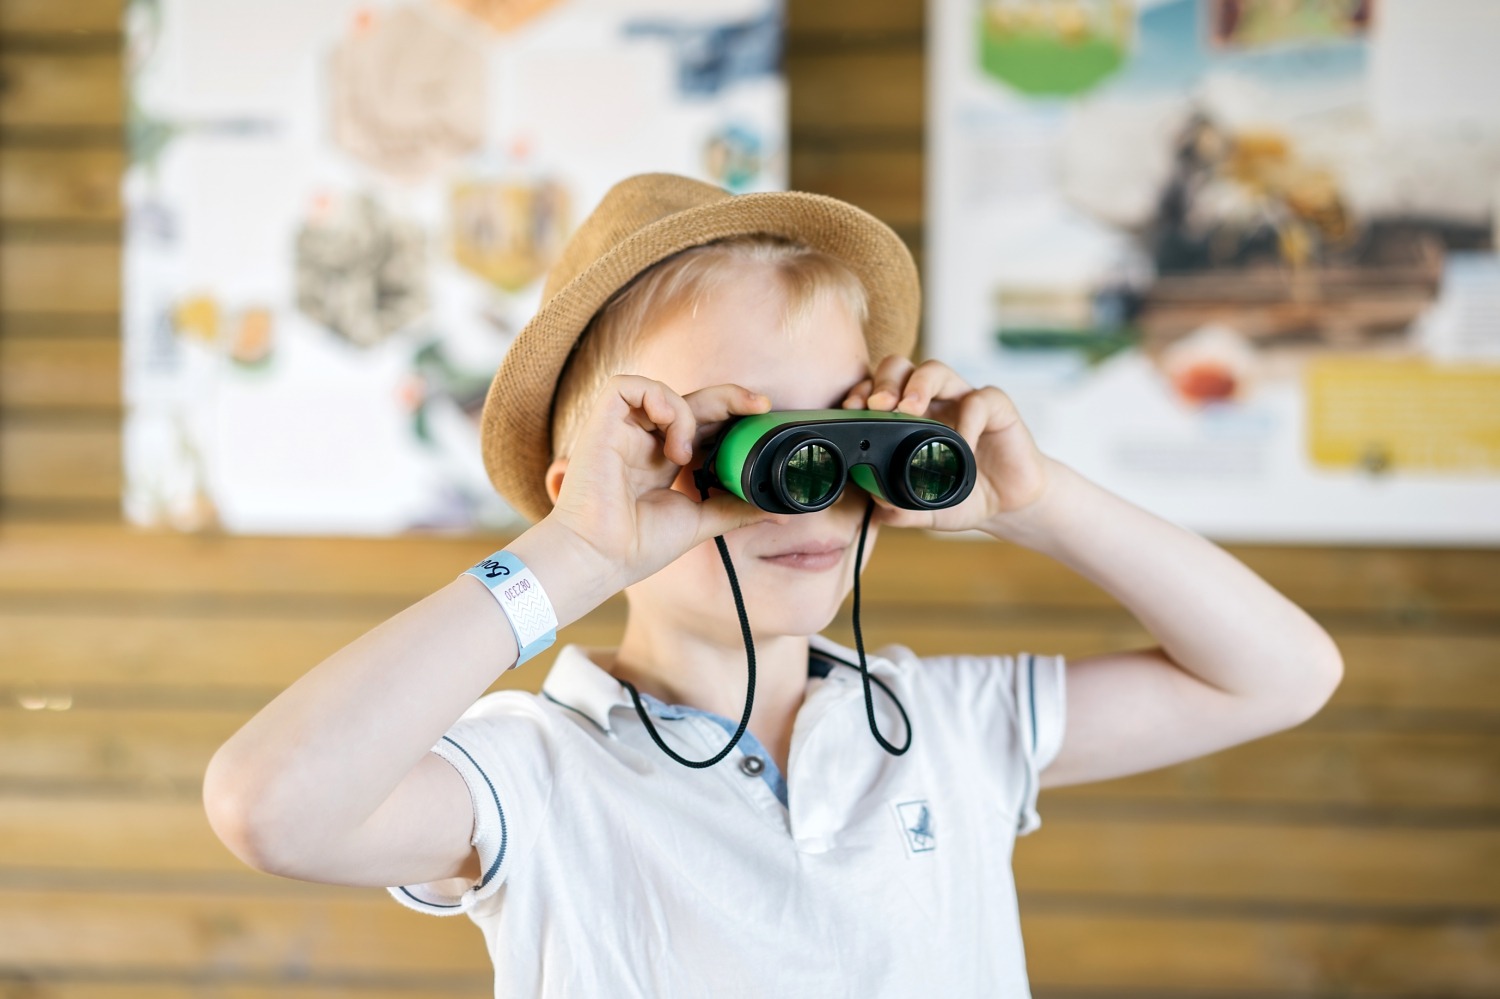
491,837
1040,702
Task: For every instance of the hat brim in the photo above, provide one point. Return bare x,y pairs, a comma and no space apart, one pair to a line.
515,426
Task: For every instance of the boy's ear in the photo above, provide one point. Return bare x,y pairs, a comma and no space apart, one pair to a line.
555,472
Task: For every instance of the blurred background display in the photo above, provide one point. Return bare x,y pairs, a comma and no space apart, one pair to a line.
1235,259
339,213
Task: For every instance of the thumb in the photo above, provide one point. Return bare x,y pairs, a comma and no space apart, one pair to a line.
724,513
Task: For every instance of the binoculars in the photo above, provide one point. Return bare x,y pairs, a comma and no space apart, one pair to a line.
798,461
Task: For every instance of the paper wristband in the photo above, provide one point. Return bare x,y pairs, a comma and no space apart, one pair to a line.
522,599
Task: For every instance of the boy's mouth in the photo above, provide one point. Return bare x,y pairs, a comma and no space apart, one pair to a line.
811,555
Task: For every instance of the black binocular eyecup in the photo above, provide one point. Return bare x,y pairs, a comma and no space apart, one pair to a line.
832,478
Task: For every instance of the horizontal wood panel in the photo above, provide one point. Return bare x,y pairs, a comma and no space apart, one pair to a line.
61,89
84,647
163,749
147,750
78,374
99,325
1384,770
360,932
857,92
344,930
912,569
1384,672
1119,856
152,651
38,559
159,836
846,19
887,183
62,185
63,279
49,16
42,461
1259,861
1242,957
143,651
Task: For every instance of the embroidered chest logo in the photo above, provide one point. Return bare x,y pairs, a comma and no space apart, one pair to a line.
916,822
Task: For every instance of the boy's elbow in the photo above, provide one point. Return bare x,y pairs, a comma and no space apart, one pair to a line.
1321,676
238,812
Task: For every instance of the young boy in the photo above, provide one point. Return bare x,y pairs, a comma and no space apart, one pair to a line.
809,861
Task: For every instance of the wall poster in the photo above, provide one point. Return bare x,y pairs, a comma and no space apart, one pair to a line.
339,213
1235,259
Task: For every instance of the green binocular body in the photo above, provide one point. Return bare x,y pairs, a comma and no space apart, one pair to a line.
797,461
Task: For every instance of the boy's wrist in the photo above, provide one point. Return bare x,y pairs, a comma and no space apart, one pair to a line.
1038,525
571,572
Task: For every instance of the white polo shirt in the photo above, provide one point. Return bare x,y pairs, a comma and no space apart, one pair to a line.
609,869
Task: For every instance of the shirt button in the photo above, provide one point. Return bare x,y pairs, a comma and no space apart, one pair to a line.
752,766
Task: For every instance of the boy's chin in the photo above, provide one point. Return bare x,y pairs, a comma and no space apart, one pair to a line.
783,615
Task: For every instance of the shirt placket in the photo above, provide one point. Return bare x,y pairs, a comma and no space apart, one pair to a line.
744,769
810,794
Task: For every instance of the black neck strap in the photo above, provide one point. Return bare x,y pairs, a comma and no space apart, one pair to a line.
739,606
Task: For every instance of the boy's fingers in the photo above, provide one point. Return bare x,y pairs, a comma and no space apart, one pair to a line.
715,404
723,513
931,380
982,409
858,395
719,402
665,410
650,397
889,378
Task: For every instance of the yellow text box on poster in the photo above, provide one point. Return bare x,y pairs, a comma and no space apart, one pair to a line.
1395,414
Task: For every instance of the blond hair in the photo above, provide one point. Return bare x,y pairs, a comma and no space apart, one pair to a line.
609,343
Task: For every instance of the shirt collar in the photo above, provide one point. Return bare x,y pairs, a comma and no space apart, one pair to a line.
582,686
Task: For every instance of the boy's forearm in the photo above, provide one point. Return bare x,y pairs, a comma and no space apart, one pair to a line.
327,751
1211,614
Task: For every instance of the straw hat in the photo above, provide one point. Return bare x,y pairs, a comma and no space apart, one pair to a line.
642,220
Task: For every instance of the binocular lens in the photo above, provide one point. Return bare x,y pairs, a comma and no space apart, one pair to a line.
812,472
934,471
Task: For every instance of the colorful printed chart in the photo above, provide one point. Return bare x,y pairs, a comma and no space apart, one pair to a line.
1235,260
340,214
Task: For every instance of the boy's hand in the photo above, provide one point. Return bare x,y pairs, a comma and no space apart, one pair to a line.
617,494
1012,474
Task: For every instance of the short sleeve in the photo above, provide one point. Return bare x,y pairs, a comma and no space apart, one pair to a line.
504,750
1040,684
1012,706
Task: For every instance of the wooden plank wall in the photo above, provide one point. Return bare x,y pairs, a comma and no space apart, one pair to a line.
1355,856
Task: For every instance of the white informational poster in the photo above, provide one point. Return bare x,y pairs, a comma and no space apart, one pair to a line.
340,213
1235,260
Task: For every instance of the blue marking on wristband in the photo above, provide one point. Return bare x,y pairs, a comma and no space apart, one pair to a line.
494,572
